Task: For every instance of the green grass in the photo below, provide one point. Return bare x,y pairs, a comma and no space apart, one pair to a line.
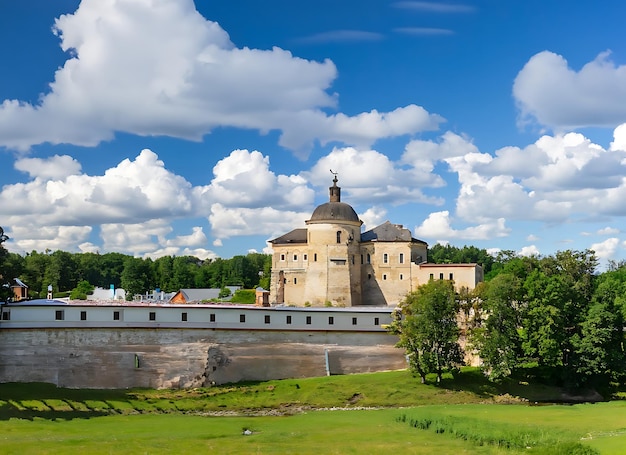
464,415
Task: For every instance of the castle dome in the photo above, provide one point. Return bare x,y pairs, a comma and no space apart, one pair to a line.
334,210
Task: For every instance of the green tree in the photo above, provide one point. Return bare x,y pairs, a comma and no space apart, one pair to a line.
81,290
497,340
5,278
428,329
136,277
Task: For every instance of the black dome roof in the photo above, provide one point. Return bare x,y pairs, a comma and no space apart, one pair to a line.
335,211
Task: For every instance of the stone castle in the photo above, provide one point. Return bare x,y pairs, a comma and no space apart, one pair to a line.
331,262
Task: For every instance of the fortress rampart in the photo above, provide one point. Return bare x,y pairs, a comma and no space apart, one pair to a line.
152,346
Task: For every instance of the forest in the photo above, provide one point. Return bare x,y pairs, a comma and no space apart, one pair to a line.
65,271
554,319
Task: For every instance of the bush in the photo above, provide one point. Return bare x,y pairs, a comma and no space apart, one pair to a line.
245,296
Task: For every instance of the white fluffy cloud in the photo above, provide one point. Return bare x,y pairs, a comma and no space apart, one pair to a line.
438,226
551,93
158,68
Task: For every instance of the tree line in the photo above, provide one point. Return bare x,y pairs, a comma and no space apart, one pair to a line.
66,271
553,318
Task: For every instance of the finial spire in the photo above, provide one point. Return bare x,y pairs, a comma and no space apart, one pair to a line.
335,191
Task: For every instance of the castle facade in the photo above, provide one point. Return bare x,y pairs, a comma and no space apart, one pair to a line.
331,262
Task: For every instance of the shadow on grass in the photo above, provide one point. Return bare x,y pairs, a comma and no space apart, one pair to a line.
46,401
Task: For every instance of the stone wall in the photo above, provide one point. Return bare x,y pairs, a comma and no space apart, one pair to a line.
158,358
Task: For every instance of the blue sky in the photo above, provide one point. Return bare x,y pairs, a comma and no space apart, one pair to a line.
162,127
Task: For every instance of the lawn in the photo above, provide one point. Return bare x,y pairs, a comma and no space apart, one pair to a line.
382,413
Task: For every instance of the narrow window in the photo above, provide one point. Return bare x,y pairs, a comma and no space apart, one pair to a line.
282,257
212,317
288,319
353,321
353,259
432,277
83,315
305,257
59,315
295,281
6,316
369,276
242,318
315,257
361,259
368,259
384,276
451,276
441,276
338,236
331,320
267,318
376,321
284,280
152,316
116,315
295,257
385,258
308,320
183,317
401,258
401,277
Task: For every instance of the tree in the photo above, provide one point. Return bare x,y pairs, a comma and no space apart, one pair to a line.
81,290
497,340
428,329
5,279
136,277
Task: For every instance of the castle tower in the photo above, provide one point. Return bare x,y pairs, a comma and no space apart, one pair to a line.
320,263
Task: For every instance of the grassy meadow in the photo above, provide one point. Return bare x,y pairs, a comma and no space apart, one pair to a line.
380,413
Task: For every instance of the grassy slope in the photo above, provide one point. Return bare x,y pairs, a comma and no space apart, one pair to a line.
39,418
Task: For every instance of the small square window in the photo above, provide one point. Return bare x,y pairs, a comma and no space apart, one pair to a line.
242,318
432,277
183,317
59,315
376,321
83,315
212,317
353,321
331,320
116,315
6,316
288,319
152,316
308,320
267,318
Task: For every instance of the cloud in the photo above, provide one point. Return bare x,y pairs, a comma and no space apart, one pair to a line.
243,179
423,31
53,168
438,226
530,250
434,7
341,36
370,177
606,249
554,95
158,68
